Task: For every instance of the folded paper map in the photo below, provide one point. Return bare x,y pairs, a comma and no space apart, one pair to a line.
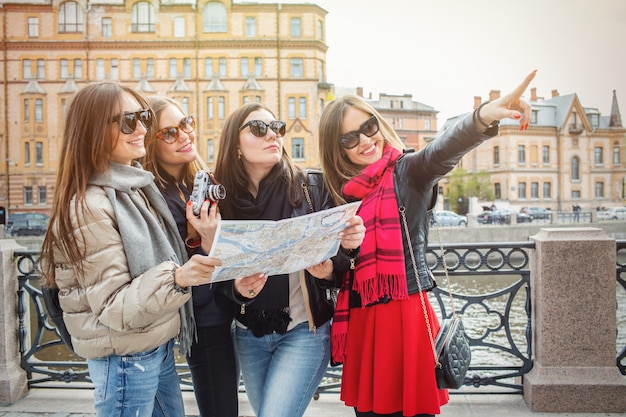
247,247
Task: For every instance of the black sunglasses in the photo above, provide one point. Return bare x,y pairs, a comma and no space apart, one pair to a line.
170,134
128,120
259,127
351,139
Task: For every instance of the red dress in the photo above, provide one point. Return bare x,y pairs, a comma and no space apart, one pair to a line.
389,364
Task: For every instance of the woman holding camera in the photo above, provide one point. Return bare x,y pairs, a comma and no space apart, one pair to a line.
172,157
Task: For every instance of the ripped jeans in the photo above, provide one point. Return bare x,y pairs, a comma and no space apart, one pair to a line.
143,384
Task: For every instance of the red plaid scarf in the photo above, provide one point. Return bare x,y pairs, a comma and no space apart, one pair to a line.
379,272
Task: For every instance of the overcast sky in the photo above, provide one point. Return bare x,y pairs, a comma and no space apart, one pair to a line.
445,52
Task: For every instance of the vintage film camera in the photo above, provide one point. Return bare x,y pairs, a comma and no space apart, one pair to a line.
205,187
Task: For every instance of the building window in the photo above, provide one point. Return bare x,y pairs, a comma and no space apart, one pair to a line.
291,108
295,67
222,69
27,73
320,30
33,27
208,67
250,26
179,27
150,68
214,17
41,69
598,155
521,154
136,68
258,67
39,110
28,195
297,148
616,155
78,69
533,117
187,68
534,190
595,120
575,168
244,67
142,18
184,103
576,195
302,107
496,155
521,190
210,150
107,27
115,70
70,18
497,190
546,155
43,195
599,190
209,108
27,154
172,68
65,69
26,111
296,27
547,190
39,153
427,124
100,70
221,108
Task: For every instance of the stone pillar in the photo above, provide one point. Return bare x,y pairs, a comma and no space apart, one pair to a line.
13,380
573,297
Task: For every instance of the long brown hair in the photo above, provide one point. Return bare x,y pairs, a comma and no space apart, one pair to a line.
151,161
229,169
337,168
85,151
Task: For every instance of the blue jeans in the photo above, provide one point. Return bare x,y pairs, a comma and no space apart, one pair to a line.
143,384
282,371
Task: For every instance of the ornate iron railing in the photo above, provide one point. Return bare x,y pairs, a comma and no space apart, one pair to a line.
497,321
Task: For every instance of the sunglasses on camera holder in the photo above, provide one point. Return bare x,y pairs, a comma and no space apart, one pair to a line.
128,120
170,134
259,128
351,139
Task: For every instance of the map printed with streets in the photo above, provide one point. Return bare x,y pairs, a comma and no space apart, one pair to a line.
247,247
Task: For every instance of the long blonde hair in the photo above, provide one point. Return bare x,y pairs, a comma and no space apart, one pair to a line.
85,152
337,168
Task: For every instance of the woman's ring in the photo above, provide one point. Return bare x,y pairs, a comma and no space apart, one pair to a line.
251,293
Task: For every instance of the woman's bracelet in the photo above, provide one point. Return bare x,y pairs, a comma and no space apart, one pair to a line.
495,123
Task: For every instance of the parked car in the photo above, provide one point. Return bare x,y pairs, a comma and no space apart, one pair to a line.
613,213
502,216
538,213
448,218
26,224
29,227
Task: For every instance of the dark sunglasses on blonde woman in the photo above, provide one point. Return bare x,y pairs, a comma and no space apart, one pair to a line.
369,128
259,128
128,120
170,134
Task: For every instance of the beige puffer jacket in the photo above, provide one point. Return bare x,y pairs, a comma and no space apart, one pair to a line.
105,311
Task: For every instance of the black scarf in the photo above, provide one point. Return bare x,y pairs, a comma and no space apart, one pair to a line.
270,310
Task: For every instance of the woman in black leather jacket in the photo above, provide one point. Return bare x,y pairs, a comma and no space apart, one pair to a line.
386,349
283,328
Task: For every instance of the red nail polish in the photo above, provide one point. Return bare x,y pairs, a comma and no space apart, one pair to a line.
517,116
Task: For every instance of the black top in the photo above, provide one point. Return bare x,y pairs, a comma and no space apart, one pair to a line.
210,307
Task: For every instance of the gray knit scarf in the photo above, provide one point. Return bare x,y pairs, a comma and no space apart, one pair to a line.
138,227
